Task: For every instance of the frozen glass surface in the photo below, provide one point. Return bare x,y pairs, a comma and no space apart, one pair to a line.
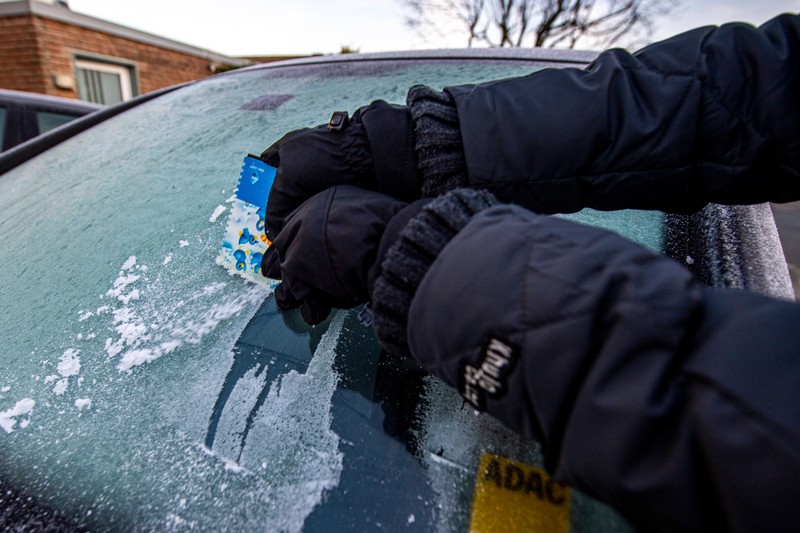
134,395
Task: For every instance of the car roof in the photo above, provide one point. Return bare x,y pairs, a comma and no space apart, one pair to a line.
580,57
43,100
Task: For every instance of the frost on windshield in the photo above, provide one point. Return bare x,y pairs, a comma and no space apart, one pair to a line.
9,418
124,342
128,399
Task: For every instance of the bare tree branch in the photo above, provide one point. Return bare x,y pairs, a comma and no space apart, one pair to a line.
547,23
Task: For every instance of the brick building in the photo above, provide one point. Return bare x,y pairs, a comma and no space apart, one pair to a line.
47,48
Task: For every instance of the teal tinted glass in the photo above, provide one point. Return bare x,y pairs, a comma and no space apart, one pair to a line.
48,120
143,387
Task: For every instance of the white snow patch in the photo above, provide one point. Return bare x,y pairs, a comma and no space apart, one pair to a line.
112,348
231,199
217,212
83,403
69,364
5,389
167,260
183,244
130,263
120,284
8,419
137,357
126,298
61,386
50,379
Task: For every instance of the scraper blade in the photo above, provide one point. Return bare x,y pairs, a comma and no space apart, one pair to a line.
245,239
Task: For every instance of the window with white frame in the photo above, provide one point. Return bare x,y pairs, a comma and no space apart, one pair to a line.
103,82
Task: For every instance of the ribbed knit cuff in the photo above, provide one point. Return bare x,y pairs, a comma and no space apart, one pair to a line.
409,259
440,152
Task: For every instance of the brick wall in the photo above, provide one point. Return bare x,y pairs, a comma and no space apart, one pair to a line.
33,49
20,66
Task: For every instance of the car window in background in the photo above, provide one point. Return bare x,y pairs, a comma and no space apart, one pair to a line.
2,125
143,387
30,114
47,120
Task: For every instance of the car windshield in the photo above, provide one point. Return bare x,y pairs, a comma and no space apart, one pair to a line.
142,387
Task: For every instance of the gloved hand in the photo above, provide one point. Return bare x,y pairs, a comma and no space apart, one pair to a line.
374,150
328,251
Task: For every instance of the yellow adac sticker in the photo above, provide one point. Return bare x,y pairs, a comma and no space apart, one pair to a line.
511,496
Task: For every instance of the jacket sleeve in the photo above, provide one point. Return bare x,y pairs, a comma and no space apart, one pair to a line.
711,115
674,403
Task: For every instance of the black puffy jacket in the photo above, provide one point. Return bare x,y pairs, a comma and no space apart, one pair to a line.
677,404
711,115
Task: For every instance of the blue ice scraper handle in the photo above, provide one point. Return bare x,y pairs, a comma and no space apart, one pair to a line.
255,181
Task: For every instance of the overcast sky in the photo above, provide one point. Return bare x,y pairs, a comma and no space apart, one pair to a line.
280,27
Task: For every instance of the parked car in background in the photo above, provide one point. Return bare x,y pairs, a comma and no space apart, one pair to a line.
145,388
23,115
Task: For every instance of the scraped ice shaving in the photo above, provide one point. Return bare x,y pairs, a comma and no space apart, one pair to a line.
120,284
85,316
126,298
214,288
8,419
183,244
5,389
233,466
69,364
83,403
189,330
134,358
61,386
217,212
50,379
167,260
149,321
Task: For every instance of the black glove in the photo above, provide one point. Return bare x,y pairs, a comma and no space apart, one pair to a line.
374,149
327,254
